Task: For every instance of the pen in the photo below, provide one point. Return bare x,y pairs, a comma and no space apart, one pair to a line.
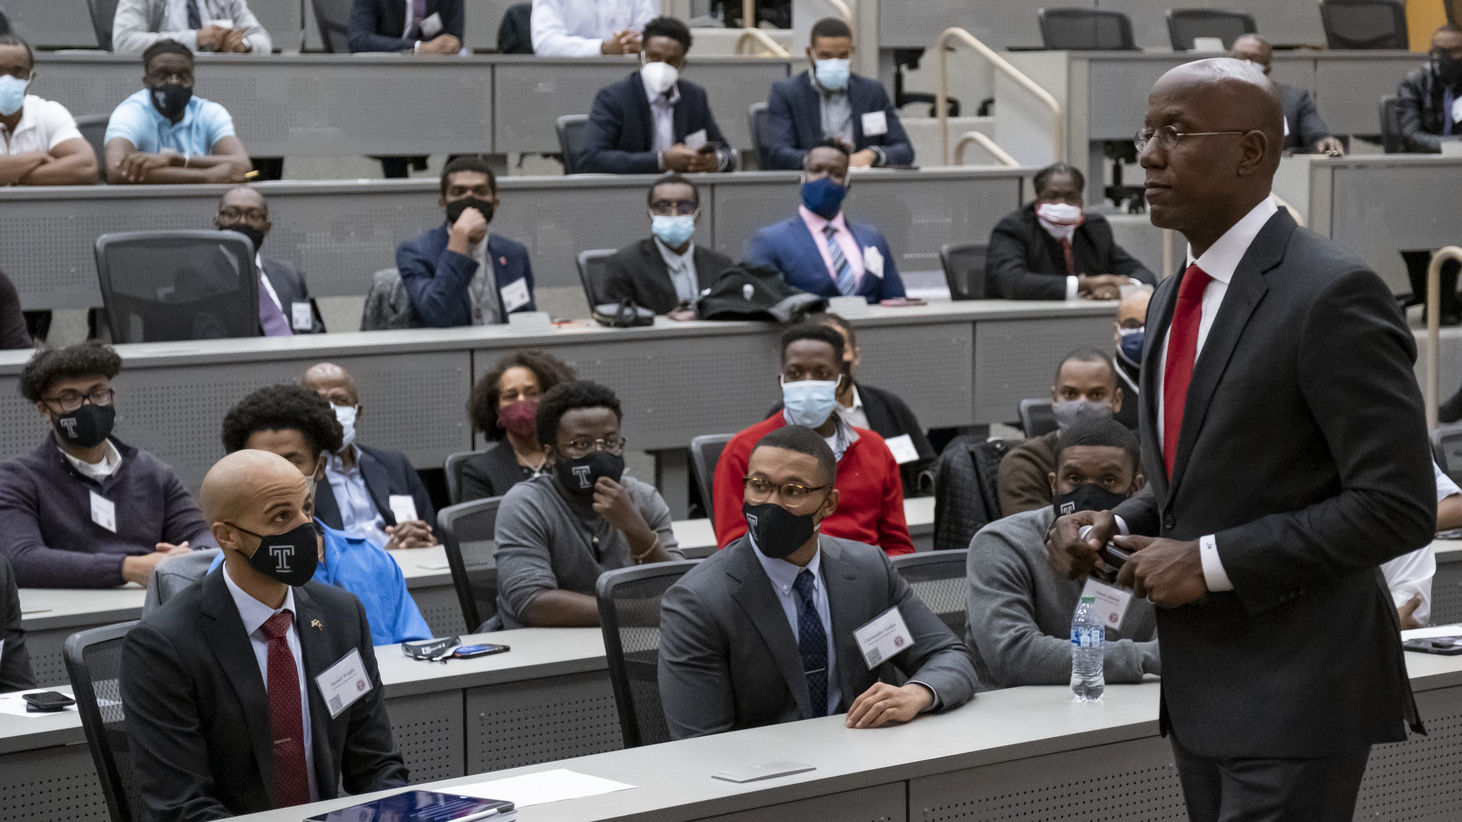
249,175
484,814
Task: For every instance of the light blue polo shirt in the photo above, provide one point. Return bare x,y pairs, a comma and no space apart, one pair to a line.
204,123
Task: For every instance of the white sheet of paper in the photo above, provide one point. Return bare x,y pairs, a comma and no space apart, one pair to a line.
902,448
515,295
695,139
403,508
545,786
103,512
1209,44
301,316
431,26
530,321
343,683
1111,602
873,261
222,22
875,123
883,637
1436,630
14,705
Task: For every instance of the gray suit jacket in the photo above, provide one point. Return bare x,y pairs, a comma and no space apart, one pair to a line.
728,658
1305,125
1304,451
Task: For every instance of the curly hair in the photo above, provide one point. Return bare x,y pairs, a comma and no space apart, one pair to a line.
283,408
50,365
568,396
482,405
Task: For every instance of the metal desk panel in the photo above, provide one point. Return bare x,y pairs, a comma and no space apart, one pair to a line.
540,720
1349,86
429,732
1014,360
47,784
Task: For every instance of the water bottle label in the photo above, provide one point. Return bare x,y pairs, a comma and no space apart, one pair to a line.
1088,637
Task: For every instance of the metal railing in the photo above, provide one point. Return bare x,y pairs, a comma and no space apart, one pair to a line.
986,143
763,39
941,97
1434,329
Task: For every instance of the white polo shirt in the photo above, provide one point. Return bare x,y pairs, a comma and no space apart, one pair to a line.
44,124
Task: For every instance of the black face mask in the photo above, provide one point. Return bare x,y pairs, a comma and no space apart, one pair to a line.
289,557
456,207
255,235
87,426
170,99
578,476
775,531
1086,497
1448,70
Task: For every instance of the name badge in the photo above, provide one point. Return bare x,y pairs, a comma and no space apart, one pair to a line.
902,448
431,26
343,683
873,261
875,123
1111,602
301,316
403,508
1286,126
883,637
1457,110
103,512
515,295
695,139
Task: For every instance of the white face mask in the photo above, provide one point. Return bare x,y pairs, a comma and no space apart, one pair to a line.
658,76
1060,220
346,415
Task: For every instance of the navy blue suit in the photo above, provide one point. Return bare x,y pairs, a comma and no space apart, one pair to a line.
376,25
385,473
620,137
789,248
794,115
438,279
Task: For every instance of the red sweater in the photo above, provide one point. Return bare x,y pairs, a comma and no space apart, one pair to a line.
870,493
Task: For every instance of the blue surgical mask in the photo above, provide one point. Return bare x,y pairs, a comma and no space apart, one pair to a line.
832,74
12,94
824,197
1130,346
346,415
673,230
809,402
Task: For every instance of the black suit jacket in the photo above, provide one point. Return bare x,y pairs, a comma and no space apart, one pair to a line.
492,473
1304,451
1024,262
289,285
385,473
889,416
638,272
1305,124
15,671
620,137
198,713
794,121
376,25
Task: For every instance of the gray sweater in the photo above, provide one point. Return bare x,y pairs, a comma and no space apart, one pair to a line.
545,544
1018,619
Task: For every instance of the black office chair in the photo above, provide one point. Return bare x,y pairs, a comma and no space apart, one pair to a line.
591,274
964,270
452,468
1186,25
1447,449
1390,113
94,663
705,452
1364,24
93,128
570,129
4,23
178,285
333,18
1036,417
102,12
908,59
1082,29
466,532
758,122
966,489
515,32
938,580
629,616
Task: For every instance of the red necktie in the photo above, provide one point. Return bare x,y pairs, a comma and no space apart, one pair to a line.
1070,261
1182,350
291,777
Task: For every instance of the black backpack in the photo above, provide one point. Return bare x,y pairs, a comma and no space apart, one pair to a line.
747,291
966,495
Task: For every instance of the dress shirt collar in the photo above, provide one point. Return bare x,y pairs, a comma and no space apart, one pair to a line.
27,119
673,260
1222,258
816,222
253,612
672,96
857,400
826,93
336,465
783,573
111,461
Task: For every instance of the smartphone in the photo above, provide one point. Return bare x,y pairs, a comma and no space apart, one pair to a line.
46,701
902,302
470,651
1444,645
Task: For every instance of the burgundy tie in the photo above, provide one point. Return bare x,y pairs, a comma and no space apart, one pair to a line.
1182,350
291,777
1070,260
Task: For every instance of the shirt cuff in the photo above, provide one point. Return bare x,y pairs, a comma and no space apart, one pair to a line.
1213,573
879,158
660,160
933,706
1122,525
1071,288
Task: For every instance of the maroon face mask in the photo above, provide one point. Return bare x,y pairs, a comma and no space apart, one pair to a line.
520,418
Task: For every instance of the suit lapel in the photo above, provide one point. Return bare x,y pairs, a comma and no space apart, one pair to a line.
318,656
808,111
844,596
809,251
680,119
378,484
659,279
1159,317
753,592
857,101
645,121
234,652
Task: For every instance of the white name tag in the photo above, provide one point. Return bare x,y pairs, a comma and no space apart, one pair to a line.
301,316
873,261
902,448
874,124
431,26
515,295
695,139
403,508
883,637
343,683
1457,110
103,512
1286,126
1111,602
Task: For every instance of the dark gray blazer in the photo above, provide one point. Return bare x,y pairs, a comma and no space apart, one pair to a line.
1305,124
289,285
15,670
728,658
1304,450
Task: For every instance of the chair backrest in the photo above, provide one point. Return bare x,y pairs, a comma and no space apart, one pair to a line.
175,574
1081,29
515,32
591,274
102,12
938,580
1364,24
466,532
94,663
1185,25
570,129
758,122
1447,450
333,17
629,616
1390,113
4,23
705,452
93,128
964,269
453,469
1036,417
178,285
966,489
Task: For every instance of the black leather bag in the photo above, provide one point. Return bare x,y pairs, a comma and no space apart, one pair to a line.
747,291
624,314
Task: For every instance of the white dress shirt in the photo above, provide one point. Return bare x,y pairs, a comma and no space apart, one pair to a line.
111,462
482,289
358,514
662,111
576,28
782,575
682,270
1412,573
854,415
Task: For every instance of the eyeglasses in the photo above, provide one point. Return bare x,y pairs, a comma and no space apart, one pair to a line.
253,215
672,207
613,444
1168,137
72,400
792,493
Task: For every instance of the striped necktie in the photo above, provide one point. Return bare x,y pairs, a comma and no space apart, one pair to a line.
847,281
811,643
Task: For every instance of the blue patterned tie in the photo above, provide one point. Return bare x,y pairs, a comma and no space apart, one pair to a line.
812,643
195,20
847,283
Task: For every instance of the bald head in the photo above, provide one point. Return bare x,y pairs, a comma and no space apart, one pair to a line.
244,482
331,382
1132,311
1235,92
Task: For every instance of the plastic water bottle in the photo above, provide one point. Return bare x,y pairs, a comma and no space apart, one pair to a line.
1088,645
